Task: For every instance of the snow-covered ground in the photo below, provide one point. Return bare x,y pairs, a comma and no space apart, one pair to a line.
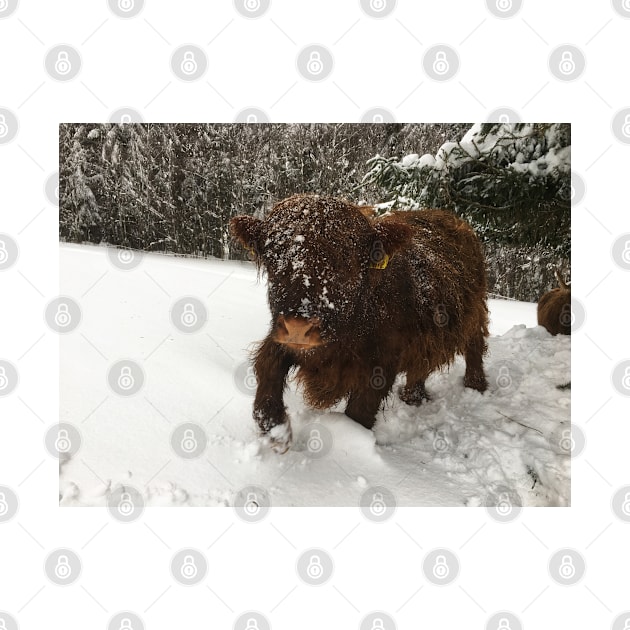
456,450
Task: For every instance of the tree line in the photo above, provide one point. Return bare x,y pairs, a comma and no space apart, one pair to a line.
174,187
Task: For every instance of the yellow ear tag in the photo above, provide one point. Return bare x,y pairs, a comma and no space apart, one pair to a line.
381,264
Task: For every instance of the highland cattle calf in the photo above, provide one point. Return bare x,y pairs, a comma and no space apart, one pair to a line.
355,301
554,309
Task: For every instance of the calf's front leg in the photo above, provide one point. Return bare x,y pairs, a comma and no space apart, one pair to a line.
271,366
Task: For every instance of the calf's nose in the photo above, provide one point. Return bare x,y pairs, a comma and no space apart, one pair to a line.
298,332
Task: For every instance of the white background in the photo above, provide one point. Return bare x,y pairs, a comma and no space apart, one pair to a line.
252,63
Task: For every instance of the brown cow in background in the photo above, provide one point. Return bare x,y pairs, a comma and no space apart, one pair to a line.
355,301
554,308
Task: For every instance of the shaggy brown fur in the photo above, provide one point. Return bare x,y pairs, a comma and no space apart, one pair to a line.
554,309
423,306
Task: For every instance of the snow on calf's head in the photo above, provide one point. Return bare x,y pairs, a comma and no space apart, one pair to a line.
317,252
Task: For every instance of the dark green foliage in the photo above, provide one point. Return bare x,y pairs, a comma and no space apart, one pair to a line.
512,183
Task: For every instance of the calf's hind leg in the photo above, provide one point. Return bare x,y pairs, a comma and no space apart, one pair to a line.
475,377
414,391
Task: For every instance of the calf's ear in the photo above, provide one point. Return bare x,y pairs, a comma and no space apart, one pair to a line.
389,237
246,230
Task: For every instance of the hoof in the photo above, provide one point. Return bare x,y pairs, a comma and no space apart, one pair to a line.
414,396
477,382
280,438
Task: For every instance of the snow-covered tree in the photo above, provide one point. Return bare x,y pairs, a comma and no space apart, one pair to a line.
511,181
